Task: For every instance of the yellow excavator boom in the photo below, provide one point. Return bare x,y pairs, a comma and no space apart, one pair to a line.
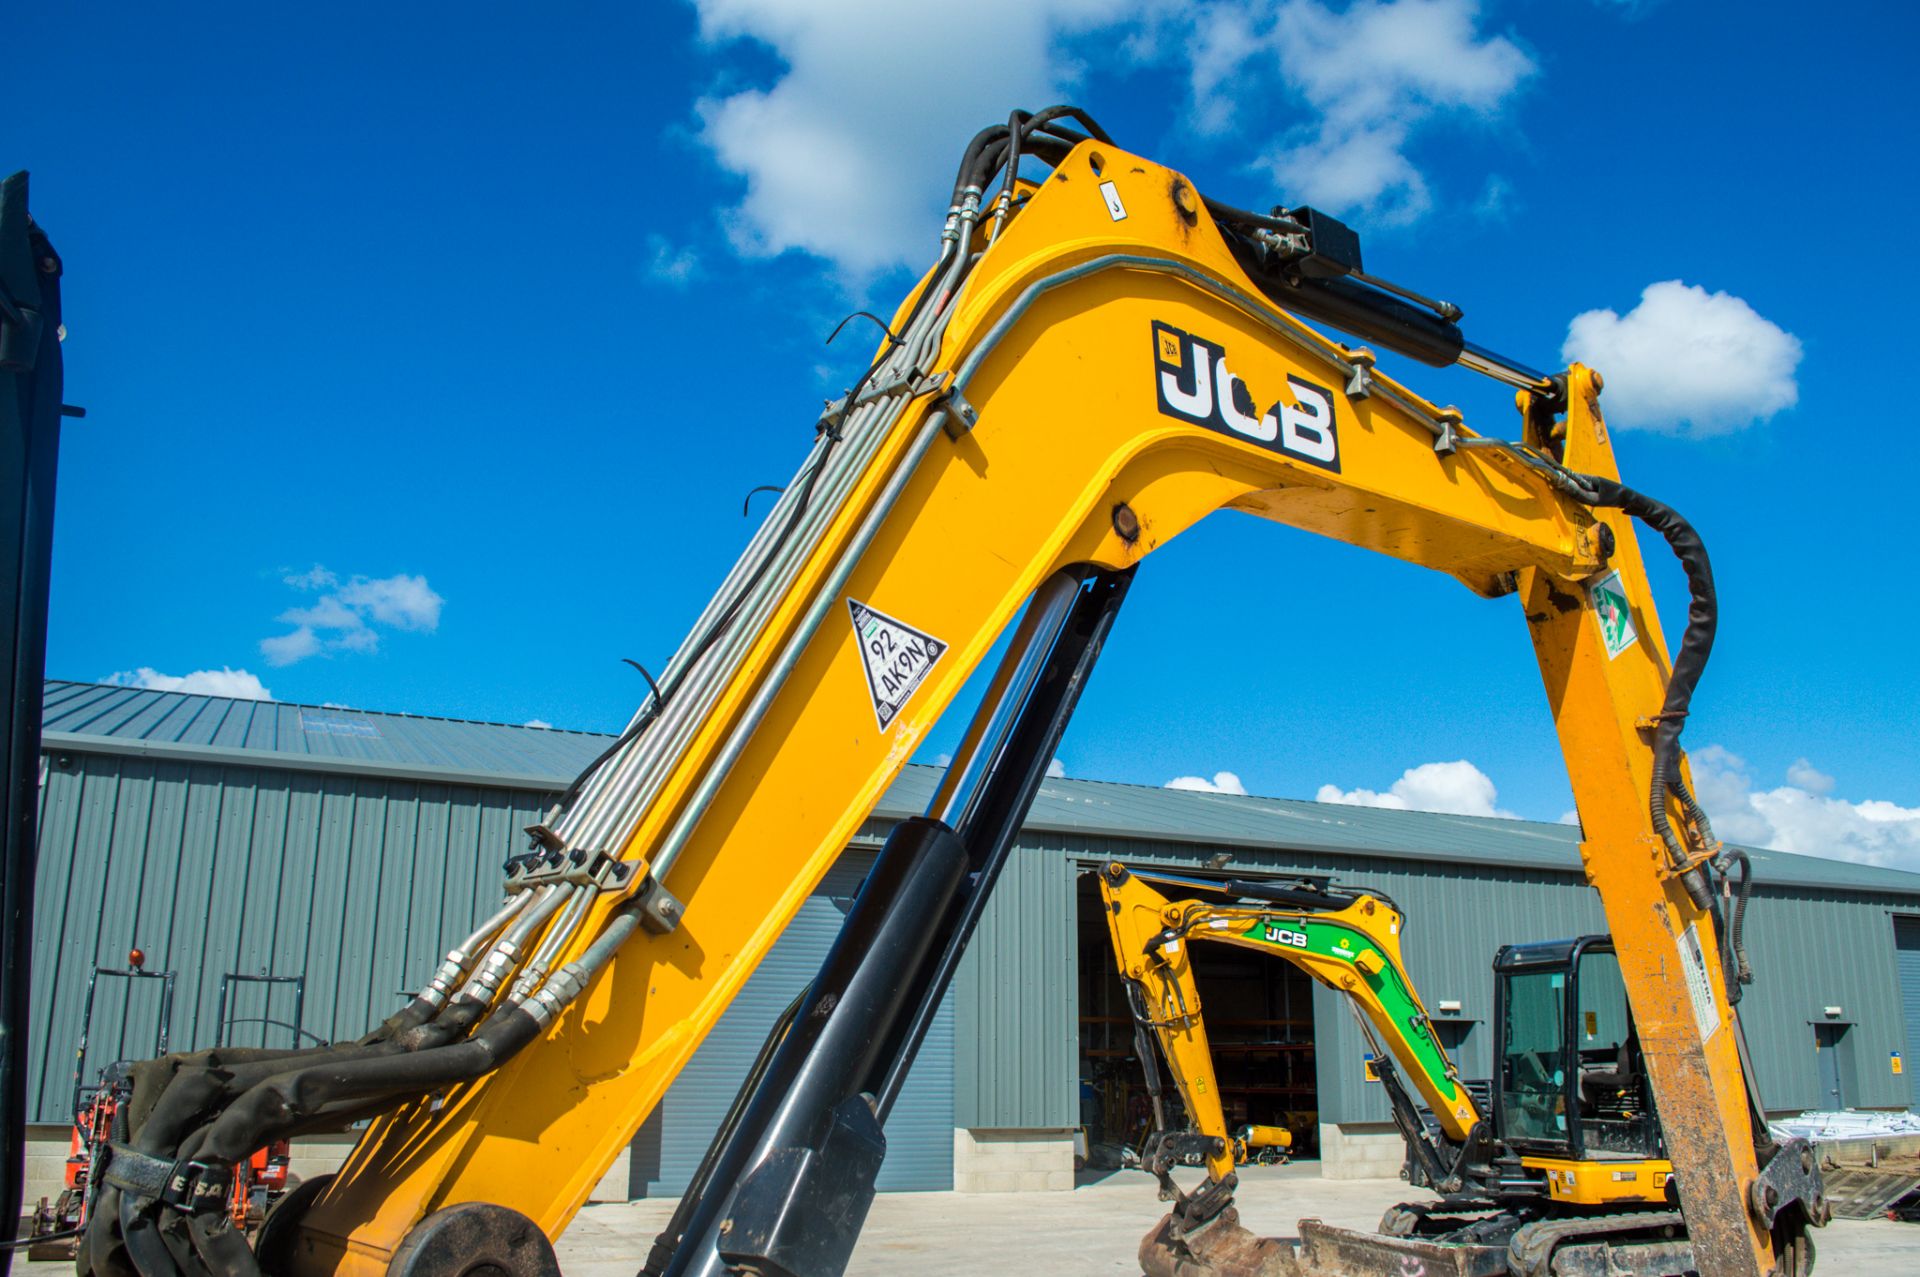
1096,362
1352,948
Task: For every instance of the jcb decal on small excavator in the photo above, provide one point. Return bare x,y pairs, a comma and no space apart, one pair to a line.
1194,385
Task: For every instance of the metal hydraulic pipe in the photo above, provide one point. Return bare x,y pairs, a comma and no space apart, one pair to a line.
615,799
624,790
621,798
823,600
504,957
534,969
586,805
760,547
463,955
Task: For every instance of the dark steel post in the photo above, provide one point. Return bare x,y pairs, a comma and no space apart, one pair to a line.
30,389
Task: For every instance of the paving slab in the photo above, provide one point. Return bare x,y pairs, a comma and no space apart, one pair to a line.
1096,1228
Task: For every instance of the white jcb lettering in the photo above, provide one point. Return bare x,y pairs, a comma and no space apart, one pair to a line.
1304,429
1194,384
1200,402
1242,423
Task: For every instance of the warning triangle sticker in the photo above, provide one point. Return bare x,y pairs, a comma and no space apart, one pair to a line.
896,657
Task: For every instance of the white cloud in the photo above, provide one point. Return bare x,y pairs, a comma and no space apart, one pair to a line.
225,681
287,649
404,602
1808,777
849,152
538,722
849,155
670,264
314,578
1686,361
328,614
1056,770
1496,200
344,620
1374,74
1458,788
1222,783
1799,816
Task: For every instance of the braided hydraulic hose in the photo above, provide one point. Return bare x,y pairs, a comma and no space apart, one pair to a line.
1696,644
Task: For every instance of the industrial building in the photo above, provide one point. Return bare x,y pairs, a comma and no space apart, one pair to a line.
343,851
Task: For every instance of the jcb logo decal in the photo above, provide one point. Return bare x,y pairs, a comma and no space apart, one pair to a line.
1282,935
1193,384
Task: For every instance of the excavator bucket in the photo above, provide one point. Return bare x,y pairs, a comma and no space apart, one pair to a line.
1649,1244
1225,1248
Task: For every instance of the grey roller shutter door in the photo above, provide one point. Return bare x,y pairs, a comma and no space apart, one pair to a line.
1906,952
920,1130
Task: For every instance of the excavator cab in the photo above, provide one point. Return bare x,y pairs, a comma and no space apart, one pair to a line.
1570,1092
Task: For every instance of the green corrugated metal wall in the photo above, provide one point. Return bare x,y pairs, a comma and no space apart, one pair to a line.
214,869
1016,1014
359,883
1016,1032
1812,950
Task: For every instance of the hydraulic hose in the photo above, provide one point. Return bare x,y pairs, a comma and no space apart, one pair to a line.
1740,972
1696,644
277,1107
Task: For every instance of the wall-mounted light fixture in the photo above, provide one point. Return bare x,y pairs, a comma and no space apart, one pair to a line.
1449,1006
1833,1013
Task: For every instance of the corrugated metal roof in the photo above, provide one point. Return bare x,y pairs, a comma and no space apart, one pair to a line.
171,723
547,758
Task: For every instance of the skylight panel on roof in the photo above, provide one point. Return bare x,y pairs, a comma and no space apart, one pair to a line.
336,725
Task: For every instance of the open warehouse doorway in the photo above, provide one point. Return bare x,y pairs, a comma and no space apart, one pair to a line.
1259,1016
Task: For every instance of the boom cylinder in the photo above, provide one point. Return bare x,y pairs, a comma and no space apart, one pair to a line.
790,1182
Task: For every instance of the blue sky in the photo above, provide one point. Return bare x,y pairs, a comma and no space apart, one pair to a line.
429,349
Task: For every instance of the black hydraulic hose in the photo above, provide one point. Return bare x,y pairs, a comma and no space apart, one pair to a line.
275,1107
1000,146
241,1067
1043,120
162,1135
221,1246
1014,125
140,1233
1224,212
416,1012
970,158
1146,1046
1696,644
191,1093
1739,971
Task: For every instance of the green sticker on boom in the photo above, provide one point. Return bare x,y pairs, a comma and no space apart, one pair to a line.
1609,600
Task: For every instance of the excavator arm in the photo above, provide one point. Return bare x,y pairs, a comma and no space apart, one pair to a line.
1349,942
1096,362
